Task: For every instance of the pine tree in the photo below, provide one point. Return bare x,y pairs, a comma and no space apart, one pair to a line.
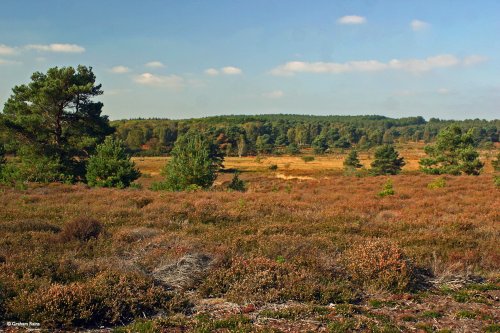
387,161
111,166
352,160
453,153
195,163
55,123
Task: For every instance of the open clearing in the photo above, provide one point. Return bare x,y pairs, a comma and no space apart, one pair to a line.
287,240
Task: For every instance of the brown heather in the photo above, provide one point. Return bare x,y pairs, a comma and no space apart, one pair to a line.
320,240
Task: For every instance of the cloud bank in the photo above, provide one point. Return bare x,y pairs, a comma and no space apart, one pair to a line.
228,70
57,48
410,65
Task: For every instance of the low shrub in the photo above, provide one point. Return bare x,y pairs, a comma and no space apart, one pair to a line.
237,184
273,167
110,298
379,264
82,229
307,158
387,189
265,280
437,183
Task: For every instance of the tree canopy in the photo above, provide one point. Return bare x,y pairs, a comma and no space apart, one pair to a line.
54,123
387,161
195,162
453,153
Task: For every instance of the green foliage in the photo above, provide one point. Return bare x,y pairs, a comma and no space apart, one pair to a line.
41,169
387,161
437,183
352,160
273,167
387,189
54,124
320,145
111,166
237,184
293,149
195,161
307,158
496,180
453,153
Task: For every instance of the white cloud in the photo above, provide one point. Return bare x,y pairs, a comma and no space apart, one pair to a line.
418,25
120,69
474,59
409,65
6,50
59,48
211,72
169,81
230,70
154,64
351,19
275,94
443,91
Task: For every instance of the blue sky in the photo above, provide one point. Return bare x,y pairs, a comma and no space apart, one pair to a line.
181,59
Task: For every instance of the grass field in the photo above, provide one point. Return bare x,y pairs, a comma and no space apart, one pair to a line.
306,248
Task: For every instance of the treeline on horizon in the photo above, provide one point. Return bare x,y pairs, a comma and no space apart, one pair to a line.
242,135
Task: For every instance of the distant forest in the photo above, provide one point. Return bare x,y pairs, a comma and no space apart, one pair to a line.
241,135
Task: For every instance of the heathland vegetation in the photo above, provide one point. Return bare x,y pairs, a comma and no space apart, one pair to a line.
248,224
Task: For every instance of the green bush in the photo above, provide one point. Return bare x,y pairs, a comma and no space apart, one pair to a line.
293,149
273,167
307,158
195,162
352,160
387,161
437,183
111,166
237,184
387,189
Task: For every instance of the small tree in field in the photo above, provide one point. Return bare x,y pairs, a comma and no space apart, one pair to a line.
111,166
195,163
352,160
453,153
387,161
